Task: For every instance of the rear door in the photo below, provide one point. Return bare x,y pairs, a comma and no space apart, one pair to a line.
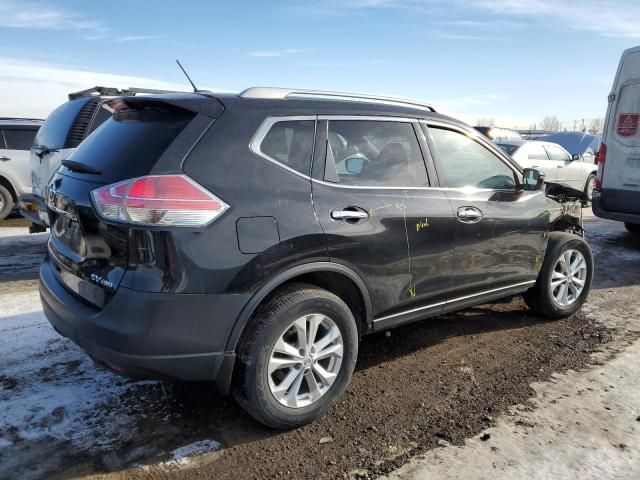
18,142
621,176
500,234
372,196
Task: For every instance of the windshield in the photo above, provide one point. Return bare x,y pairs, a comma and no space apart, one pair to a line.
576,143
509,149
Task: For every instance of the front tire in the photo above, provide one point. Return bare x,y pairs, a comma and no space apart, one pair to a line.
6,202
590,186
297,358
632,227
564,280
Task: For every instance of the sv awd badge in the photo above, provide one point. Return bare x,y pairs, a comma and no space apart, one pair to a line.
101,281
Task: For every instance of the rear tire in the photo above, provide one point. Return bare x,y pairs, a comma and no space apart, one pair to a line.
590,186
559,292
632,227
6,202
290,389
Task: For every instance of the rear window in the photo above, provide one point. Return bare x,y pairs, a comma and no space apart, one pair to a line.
128,144
53,132
16,139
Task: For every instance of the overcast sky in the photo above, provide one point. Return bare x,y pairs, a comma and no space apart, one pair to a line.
512,60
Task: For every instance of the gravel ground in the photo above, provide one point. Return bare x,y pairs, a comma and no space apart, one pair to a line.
432,383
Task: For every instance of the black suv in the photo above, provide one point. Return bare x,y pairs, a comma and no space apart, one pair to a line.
252,239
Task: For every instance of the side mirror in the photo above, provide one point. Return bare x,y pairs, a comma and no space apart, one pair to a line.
354,165
532,179
575,157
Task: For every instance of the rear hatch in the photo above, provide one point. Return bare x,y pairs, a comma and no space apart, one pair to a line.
90,256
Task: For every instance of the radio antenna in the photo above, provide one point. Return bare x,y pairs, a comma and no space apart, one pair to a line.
195,89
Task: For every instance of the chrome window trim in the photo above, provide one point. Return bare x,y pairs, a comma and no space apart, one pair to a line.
375,118
455,300
263,129
267,123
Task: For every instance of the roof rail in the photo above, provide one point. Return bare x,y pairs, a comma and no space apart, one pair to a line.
115,92
281,93
23,118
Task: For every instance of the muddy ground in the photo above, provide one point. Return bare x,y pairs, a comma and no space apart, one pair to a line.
431,383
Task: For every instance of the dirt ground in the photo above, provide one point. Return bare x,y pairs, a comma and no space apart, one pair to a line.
429,384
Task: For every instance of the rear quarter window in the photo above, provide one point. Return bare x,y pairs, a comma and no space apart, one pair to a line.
290,142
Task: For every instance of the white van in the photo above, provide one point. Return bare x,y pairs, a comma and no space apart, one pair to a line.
617,194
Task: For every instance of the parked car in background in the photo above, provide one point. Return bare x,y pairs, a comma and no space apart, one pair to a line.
617,194
576,143
498,133
558,165
252,239
16,138
64,129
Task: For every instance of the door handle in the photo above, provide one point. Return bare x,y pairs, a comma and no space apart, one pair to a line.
469,214
349,213
4,159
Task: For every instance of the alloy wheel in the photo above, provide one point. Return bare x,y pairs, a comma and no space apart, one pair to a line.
305,360
569,277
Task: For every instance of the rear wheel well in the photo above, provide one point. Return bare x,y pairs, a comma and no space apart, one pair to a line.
341,286
336,283
7,184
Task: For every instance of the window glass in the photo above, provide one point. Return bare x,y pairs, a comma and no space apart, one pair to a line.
129,143
376,153
509,149
536,152
291,143
466,163
19,139
557,153
54,130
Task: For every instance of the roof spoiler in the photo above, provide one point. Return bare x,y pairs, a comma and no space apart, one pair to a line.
186,101
115,92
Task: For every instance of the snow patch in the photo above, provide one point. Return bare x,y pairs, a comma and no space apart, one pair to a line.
50,391
183,456
11,234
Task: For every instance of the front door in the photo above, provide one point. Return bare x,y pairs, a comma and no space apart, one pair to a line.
501,230
380,217
568,172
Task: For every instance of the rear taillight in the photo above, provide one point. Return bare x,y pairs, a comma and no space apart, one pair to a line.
171,200
601,157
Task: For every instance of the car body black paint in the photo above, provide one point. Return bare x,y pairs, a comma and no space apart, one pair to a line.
175,301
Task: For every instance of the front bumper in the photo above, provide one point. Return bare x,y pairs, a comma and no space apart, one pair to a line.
148,335
34,209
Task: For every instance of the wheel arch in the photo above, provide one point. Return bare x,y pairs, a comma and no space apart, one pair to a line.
5,182
317,273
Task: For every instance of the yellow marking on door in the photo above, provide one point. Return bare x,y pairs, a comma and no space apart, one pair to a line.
422,224
373,211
